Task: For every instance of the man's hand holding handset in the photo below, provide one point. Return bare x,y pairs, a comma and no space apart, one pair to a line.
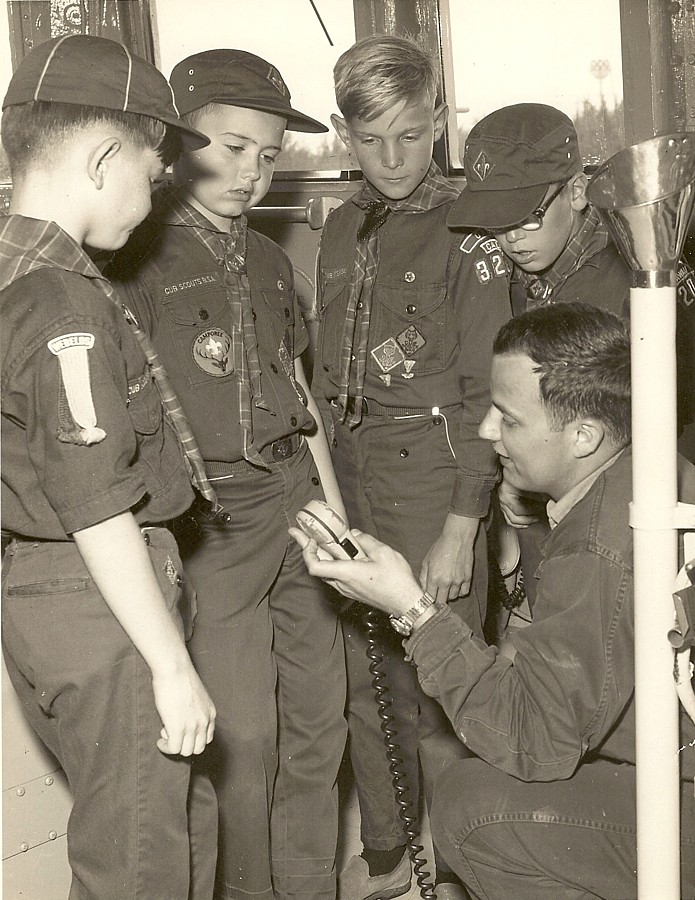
361,567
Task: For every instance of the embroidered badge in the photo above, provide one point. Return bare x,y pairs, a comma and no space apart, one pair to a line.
410,341
386,379
194,282
490,245
79,424
482,166
408,365
211,352
170,571
388,355
685,284
470,242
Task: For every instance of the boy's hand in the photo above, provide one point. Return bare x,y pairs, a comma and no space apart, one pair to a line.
446,570
186,711
383,580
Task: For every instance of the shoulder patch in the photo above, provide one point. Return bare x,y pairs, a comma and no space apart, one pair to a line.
490,245
79,424
470,242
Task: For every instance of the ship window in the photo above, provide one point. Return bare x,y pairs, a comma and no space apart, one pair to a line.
294,36
538,51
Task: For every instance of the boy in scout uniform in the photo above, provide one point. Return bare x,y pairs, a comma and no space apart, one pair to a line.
218,300
408,312
92,632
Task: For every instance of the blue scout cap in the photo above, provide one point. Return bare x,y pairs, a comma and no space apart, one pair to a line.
510,159
93,71
236,78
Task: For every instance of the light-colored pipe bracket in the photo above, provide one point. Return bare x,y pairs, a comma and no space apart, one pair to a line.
678,518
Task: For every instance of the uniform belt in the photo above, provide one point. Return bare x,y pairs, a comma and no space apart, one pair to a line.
373,408
276,452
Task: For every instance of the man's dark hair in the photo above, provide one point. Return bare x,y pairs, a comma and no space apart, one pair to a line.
582,354
33,131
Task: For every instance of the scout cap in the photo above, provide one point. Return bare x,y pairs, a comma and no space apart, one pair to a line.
93,71
236,78
510,159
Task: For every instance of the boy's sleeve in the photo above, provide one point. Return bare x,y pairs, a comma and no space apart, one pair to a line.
84,480
479,288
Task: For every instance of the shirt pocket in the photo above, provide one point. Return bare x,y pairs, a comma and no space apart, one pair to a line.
410,324
196,336
145,408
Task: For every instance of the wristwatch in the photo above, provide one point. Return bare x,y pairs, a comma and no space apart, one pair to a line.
403,624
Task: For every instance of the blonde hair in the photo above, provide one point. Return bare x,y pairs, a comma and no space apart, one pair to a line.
380,71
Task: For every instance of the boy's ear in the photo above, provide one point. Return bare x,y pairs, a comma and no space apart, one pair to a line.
588,437
441,115
341,128
578,186
100,156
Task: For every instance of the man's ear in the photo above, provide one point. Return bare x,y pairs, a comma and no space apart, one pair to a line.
441,114
99,158
578,185
341,128
588,436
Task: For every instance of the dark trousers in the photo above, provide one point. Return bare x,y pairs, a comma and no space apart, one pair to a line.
396,477
573,839
135,829
268,646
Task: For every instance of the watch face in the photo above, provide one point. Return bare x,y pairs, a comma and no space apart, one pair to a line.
399,625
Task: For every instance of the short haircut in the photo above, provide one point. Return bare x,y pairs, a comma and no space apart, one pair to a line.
582,354
31,132
194,117
380,71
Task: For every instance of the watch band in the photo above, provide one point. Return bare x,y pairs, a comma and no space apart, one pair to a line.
403,624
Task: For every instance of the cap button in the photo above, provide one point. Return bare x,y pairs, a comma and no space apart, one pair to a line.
191,87
191,71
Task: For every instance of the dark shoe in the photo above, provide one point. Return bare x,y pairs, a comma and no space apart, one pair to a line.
355,883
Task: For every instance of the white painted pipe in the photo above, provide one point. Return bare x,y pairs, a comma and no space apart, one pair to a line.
655,541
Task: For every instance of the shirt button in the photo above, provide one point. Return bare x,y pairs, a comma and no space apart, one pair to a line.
437,420
404,453
334,442
274,368
409,277
293,421
281,285
203,314
315,481
411,309
287,313
253,314
360,305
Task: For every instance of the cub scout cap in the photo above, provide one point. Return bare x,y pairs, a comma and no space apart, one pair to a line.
236,78
95,71
510,159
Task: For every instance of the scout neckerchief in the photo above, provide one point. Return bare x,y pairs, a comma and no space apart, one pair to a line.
30,244
591,238
229,251
433,191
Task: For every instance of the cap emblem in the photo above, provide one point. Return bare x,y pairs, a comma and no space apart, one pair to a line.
482,166
275,79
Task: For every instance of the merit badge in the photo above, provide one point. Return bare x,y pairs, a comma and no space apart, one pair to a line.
408,365
388,355
411,340
71,350
211,352
386,379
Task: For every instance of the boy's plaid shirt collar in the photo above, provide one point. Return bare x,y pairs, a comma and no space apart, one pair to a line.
29,244
169,208
433,191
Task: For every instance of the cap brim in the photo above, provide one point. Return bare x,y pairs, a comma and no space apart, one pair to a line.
190,138
296,121
494,209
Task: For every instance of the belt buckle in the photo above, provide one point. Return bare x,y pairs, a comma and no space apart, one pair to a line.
281,449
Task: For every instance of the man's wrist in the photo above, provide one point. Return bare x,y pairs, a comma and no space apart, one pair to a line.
415,616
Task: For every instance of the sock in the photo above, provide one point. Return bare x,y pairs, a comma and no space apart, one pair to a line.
381,862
